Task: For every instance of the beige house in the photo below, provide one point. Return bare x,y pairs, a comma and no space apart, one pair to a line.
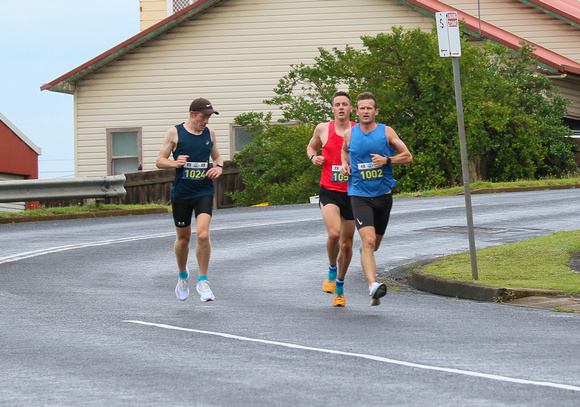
234,52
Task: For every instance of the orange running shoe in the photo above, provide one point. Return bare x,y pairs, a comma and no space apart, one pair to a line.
339,300
328,286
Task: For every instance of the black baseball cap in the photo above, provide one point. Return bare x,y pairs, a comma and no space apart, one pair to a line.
202,105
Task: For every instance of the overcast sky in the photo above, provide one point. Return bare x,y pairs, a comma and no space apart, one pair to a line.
41,40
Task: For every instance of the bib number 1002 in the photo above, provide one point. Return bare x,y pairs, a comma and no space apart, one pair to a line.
372,174
368,171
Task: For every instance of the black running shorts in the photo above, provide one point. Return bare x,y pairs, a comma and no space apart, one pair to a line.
340,199
183,209
372,212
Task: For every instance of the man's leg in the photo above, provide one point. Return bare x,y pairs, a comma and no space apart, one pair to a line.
345,252
203,252
203,244
382,210
344,257
382,215
378,240
331,217
371,243
365,213
367,257
181,247
332,220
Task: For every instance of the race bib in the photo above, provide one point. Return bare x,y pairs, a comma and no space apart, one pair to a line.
368,171
194,170
337,176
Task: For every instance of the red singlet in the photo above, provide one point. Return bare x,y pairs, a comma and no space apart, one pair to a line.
331,153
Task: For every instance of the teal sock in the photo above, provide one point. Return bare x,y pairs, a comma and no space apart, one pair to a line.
202,278
339,290
332,270
183,275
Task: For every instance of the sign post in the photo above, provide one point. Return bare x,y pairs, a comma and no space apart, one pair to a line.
450,46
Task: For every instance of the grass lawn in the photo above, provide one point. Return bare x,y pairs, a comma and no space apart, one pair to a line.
540,263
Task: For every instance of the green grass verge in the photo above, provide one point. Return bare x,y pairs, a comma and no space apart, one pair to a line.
485,184
539,263
78,209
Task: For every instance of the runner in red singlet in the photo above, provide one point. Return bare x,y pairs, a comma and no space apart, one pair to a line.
334,200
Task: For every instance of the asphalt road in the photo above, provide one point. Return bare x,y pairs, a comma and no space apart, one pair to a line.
88,315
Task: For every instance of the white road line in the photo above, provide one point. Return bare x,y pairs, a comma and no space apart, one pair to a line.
28,255
50,250
364,356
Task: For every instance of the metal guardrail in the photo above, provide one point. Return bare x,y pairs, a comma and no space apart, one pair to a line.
65,188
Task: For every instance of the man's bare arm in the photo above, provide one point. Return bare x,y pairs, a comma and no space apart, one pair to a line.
216,158
403,155
315,143
169,144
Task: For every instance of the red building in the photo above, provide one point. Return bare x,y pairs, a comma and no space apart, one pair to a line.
18,158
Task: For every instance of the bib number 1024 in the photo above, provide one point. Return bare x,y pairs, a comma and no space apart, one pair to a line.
194,170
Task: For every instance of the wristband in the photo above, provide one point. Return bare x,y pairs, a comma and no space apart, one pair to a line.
219,165
388,160
311,157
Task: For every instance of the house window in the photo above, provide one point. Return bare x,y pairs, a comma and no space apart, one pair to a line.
124,152
239,138
173,6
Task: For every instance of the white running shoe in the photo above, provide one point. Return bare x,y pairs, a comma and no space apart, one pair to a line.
376,291
204,291
182,289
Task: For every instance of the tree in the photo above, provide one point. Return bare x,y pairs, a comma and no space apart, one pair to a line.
513,116
274,166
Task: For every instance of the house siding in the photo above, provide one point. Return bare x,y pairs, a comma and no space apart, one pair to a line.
570,88
538,27
527,22
151,12
18,160
16,156
234,54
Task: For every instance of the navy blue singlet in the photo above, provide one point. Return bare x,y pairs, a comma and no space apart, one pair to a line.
190,180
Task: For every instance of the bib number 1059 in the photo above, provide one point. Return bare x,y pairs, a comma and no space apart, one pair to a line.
337,176
194,170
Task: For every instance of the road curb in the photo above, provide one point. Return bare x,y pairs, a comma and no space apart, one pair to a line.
82,215
473,291
523,189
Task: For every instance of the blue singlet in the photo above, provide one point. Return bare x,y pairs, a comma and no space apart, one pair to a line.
366,180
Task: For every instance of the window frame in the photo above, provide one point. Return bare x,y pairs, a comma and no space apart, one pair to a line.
233,128
111,158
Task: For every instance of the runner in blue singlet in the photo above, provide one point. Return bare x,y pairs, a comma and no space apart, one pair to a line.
368,156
